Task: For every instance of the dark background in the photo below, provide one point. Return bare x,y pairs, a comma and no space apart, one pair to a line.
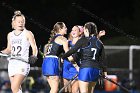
120,18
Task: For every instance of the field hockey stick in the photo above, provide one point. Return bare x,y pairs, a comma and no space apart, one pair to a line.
60,91
4,55
12,57
122,87
41,53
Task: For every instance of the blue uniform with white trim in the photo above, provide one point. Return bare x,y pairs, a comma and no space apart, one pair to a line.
92,56
69,71
50,64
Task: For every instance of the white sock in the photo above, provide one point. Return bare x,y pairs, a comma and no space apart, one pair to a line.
19,91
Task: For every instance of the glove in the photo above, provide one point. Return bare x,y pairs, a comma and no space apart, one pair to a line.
32,59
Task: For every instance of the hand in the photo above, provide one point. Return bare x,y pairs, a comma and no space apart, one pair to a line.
102,33
70,58
104,74
61,60
32,59
76,66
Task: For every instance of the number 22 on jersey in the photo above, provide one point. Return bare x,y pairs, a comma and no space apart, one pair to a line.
16,50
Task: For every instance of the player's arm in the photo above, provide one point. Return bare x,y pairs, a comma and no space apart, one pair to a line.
101,33
76,57
7,50
64,42
73,50
32,42
103,61
46,47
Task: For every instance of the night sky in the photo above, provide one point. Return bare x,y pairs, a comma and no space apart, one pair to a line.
120,18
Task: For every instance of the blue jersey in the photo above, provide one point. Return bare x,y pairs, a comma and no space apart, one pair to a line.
51,63
90,55
91,50
76,56
70,44
54,48
69,71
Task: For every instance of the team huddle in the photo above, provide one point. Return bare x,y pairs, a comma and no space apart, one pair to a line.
82,56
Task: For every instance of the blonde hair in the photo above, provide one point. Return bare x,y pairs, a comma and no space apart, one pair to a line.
81,30
16,13
56,27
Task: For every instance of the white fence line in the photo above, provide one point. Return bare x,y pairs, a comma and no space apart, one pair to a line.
131,48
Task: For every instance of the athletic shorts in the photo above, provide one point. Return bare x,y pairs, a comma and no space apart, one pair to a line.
18,67
69,71
50,66
88,74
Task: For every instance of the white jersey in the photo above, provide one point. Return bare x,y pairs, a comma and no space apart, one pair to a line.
19,45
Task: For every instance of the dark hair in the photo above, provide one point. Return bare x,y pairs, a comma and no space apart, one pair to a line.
56,27
92,28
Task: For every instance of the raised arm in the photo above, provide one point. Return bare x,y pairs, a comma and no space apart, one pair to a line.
101,33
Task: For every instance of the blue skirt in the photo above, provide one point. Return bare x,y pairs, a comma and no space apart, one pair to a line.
69,71
50,66
88,74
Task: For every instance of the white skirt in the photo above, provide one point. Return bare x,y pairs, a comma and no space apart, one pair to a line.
18,67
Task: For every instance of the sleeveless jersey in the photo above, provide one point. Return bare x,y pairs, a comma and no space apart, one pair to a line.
54,48
76,56
70,44
20,45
